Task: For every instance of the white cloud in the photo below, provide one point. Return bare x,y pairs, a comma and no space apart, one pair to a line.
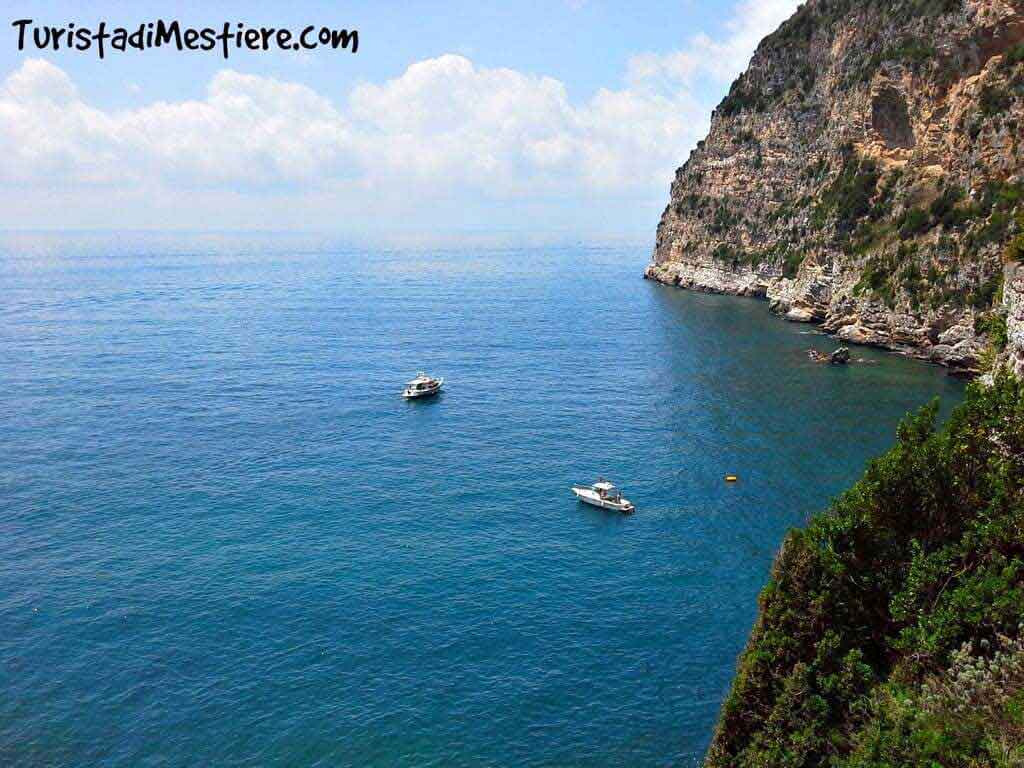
444,128
444,125
720,59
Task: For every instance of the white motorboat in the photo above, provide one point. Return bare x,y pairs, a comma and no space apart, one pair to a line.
604,495
422,386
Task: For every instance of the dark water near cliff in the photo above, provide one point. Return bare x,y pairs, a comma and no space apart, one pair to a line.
227,541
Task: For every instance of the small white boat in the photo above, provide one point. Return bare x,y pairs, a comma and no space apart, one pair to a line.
604,495
422,386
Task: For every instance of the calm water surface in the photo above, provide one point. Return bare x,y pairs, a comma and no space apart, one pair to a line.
225,540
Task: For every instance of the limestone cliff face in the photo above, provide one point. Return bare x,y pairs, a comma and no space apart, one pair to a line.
865,173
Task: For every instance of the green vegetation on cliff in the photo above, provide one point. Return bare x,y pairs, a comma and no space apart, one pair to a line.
795,35
891,632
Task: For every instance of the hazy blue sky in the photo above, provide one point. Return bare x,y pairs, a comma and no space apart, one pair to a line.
565,116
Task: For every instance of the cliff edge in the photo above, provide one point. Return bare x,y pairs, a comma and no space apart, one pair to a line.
891,633
867,173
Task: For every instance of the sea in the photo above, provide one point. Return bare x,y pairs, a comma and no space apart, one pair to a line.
226,539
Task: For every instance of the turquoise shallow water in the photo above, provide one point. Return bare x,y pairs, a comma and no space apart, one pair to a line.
227,541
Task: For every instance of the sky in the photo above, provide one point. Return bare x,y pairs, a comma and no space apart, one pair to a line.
566,117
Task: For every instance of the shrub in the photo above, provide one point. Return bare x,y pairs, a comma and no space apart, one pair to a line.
1014,56
911,274
969,715
984,296
994,100
727,253
882,207
1014,250
914,222
869,608
933,7
993,202
742,97
875,276
791,264
914,51
724,220
994,230
943,209
993,325
980,684
848,197
1005,196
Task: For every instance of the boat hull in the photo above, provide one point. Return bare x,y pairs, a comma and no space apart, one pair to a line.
587,496
418,395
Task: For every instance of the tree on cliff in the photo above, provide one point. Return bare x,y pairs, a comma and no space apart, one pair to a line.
891,631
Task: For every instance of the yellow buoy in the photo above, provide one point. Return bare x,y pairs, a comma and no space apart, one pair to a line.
731,478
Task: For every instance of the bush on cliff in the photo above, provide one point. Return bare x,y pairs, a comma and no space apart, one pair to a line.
1014,250
993,325
848,197
1014,56
915,571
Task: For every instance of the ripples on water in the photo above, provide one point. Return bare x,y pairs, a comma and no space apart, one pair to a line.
227,541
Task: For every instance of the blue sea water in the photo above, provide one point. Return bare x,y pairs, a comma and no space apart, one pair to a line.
227,541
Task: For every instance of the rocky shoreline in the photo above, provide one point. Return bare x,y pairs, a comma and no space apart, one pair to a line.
941,338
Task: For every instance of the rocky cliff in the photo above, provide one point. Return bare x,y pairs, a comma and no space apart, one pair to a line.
867,173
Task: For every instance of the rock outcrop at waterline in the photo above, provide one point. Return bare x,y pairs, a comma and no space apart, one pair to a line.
867,173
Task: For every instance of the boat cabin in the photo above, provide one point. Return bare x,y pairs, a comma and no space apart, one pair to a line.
422,382
607,491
